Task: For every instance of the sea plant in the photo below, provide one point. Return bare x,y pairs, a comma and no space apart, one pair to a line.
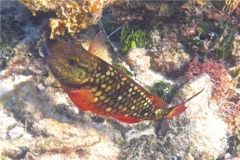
214,37
227,43
163,90
236,72
234,141
203,28
133,37
217,71
6,52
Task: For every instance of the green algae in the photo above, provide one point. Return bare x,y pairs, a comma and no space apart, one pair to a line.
227,44
163,90
133,37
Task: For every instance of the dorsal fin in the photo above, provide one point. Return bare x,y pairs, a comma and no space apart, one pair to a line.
99,48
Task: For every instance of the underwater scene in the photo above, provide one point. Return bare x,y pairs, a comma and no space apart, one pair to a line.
120,79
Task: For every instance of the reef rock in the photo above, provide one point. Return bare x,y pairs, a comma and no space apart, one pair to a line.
140,64
33,124
199,132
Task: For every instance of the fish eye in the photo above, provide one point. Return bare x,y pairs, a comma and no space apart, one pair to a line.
72,61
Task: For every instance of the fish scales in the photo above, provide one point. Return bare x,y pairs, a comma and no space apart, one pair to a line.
95,85
115,95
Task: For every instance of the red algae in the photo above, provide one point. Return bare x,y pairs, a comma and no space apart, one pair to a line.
216,70
224,90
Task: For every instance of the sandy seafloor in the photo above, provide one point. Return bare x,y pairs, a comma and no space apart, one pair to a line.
39,121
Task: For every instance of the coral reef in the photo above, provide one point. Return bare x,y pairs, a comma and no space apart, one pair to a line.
71,15
13,14
167,54
146,147
236,13
29,104
128,10
199,142
217,72
38,121
230,110
230,5
41,123
212,34
225,5
137,58
161,7
236,50
225,92
140,64
184,136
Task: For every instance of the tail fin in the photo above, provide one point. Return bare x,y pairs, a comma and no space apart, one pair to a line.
176,111
181,107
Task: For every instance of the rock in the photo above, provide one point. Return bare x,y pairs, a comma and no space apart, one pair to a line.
38,120
15,132
140,64
36,127
6,122
199,131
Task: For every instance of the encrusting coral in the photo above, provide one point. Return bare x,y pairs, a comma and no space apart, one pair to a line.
168,55
71,15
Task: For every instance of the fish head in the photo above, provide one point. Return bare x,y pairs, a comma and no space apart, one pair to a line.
71,64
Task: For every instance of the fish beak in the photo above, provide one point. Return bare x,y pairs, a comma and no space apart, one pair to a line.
45,50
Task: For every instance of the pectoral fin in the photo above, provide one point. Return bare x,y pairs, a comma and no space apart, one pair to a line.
80,97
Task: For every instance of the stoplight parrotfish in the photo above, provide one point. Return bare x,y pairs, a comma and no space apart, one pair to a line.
97,86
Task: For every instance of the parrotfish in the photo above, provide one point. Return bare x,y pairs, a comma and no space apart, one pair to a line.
97,86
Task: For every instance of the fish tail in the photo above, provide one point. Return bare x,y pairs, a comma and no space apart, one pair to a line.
180,108
176,111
